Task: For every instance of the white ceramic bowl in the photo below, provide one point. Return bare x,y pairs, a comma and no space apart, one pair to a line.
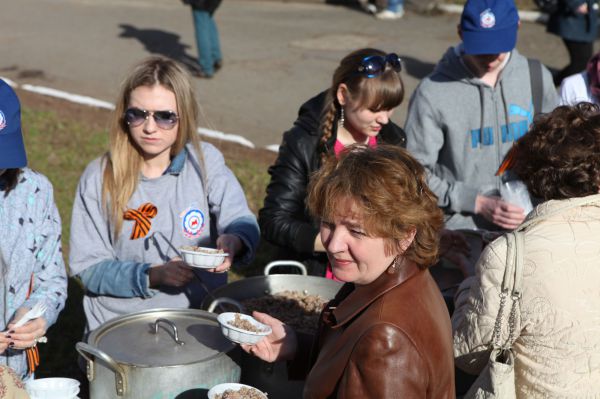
238,335
219,389
204,260
52,388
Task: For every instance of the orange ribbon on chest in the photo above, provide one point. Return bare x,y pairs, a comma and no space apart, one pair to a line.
141,217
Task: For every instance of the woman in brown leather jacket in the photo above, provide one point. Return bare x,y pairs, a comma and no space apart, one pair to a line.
387,332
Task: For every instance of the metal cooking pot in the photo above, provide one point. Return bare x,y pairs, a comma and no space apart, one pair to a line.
159,354
254,287
271,378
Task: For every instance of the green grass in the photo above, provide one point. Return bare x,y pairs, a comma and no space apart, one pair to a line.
60,148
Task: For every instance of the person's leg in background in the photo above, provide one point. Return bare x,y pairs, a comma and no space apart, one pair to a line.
390,9
579,54
202,26
215,45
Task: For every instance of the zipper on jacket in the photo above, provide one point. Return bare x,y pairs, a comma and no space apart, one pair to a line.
497,132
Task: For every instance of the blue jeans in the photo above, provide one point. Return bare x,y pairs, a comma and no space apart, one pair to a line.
395,5
207,39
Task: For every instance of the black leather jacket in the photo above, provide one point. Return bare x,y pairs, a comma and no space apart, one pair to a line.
284,220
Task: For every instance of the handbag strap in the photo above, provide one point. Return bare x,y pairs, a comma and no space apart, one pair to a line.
512,282
509,287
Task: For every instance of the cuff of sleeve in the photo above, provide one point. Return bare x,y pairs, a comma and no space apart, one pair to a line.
467,199
246,229
305,239
144,281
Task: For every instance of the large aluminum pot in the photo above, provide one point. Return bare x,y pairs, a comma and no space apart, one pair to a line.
159,354
271,378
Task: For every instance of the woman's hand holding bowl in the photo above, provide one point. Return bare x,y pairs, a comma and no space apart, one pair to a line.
281,344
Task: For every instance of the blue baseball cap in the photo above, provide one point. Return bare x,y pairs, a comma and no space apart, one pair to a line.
489,26
12,150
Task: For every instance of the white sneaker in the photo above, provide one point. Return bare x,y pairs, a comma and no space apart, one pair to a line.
367,7
386,15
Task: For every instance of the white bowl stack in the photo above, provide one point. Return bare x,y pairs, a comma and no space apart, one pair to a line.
52,388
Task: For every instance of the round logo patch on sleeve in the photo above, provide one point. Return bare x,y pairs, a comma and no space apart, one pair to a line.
193,223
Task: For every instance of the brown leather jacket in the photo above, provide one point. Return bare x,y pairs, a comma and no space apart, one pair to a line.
389,339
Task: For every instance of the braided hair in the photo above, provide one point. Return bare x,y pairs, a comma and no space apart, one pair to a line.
381,92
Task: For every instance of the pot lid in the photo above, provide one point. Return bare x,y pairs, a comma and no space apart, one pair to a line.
132,340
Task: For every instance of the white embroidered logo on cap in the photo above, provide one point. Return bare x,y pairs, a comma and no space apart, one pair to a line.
487,19
2,120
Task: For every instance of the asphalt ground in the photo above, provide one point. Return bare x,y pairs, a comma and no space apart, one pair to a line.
276,54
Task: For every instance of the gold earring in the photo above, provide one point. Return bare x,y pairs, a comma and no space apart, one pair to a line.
392,269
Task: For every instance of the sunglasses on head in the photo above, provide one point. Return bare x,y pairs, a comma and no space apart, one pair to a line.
374,65
164,119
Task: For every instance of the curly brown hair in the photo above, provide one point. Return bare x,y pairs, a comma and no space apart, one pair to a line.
559,157
389,189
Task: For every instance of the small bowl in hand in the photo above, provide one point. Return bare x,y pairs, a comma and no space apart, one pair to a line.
242,329
201,257
230,386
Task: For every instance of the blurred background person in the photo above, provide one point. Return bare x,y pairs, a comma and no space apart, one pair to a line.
386,334
556,321
210,58
583,86
576,23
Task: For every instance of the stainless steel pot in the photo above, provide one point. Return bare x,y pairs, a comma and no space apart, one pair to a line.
159,354
271,378
254,287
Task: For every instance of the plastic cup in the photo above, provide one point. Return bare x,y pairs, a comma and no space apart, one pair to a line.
515,192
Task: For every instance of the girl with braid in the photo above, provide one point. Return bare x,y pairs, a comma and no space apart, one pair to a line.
356,108
158,188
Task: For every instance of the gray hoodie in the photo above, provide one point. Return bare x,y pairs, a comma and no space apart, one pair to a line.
460,129
115,273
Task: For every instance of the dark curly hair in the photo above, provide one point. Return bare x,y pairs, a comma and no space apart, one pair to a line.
559,157
389,189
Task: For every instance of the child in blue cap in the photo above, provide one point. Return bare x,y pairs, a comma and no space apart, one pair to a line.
464,117
31,263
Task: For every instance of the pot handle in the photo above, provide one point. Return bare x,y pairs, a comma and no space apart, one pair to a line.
172,325
218,301
292,263
89,352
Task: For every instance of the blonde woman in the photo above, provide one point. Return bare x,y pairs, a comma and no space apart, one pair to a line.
157,188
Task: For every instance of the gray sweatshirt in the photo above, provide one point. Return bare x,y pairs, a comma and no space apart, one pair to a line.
460,129
115,272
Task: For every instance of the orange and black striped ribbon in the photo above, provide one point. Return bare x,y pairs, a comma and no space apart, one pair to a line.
141,217
33,358
509,161
33,354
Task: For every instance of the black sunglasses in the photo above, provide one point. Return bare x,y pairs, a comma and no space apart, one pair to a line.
374,65
164,119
